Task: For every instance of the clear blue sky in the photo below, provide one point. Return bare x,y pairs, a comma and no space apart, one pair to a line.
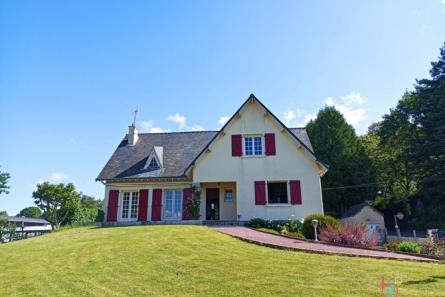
71,71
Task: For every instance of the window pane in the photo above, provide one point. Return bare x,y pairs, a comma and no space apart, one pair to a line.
228,196
277,192
168,203
134,205
125,205
258,146
248,146
177,204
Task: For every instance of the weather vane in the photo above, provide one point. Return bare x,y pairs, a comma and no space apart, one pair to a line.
136,110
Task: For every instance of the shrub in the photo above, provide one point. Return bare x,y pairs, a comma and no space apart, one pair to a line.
257,223
409,247
433,248
84,216
354,234
291,225
308,231
392,245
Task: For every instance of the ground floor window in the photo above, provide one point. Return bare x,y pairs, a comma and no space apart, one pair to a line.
277,192
173,204
130,204
228,195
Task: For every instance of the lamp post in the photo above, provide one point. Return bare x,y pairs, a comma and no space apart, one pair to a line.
399,216
315,224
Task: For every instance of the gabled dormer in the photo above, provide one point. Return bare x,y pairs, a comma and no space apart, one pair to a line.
155,160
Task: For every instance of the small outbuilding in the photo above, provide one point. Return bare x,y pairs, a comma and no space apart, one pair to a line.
368,214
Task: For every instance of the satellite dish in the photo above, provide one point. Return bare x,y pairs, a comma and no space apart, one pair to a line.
400,216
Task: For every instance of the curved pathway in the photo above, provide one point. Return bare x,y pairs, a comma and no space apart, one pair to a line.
296,244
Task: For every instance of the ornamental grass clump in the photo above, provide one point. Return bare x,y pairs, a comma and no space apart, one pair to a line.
353,234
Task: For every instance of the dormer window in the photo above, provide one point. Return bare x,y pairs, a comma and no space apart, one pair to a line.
155,159
153,164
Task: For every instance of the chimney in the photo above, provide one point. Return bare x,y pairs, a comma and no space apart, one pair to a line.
132,134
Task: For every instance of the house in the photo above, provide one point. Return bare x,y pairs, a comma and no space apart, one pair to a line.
368,214
254,166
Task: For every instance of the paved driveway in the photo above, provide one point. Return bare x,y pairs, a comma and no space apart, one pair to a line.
283,242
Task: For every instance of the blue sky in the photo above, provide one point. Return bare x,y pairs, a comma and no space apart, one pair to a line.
71,72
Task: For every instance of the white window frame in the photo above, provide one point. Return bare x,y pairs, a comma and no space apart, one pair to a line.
287,192
121,205
253,136
164,204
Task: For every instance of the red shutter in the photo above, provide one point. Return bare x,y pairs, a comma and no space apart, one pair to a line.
269,139
260,193
295,192
237,150
156,205
186,197
143,205
113,198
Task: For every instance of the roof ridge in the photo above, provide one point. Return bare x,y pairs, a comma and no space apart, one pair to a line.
177,132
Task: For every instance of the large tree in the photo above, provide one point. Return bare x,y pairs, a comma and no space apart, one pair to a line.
410,152
428,114
350,178
57,201
31,212
4,182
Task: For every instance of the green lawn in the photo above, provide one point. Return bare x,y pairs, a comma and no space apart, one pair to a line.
193,261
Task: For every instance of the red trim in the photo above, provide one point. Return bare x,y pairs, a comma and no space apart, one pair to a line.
269,139
156,205
113,198
143,205
186,197
237,149
260,193
295,192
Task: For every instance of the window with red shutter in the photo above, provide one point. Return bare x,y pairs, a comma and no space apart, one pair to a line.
295,192
143,205
237,150
260,193
113,198
156,205
186,197
269,139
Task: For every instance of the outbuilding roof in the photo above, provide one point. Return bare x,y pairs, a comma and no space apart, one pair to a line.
28,220
355,209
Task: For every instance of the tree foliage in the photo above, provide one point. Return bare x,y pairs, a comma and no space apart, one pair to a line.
90,202
336,144
57,201
4,176
408,150
31,212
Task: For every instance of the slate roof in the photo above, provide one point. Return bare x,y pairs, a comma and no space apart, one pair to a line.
355,209
180,149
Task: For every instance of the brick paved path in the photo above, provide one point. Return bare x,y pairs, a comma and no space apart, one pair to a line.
279,241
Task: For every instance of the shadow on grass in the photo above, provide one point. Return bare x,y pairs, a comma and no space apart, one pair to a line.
431,279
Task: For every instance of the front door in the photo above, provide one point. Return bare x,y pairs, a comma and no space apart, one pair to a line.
212,204
173,205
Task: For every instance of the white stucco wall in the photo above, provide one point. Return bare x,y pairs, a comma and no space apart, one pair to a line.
292,162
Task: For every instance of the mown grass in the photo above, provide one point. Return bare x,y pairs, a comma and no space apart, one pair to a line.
193,261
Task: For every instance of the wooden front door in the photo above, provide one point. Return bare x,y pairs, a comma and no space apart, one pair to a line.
212,204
